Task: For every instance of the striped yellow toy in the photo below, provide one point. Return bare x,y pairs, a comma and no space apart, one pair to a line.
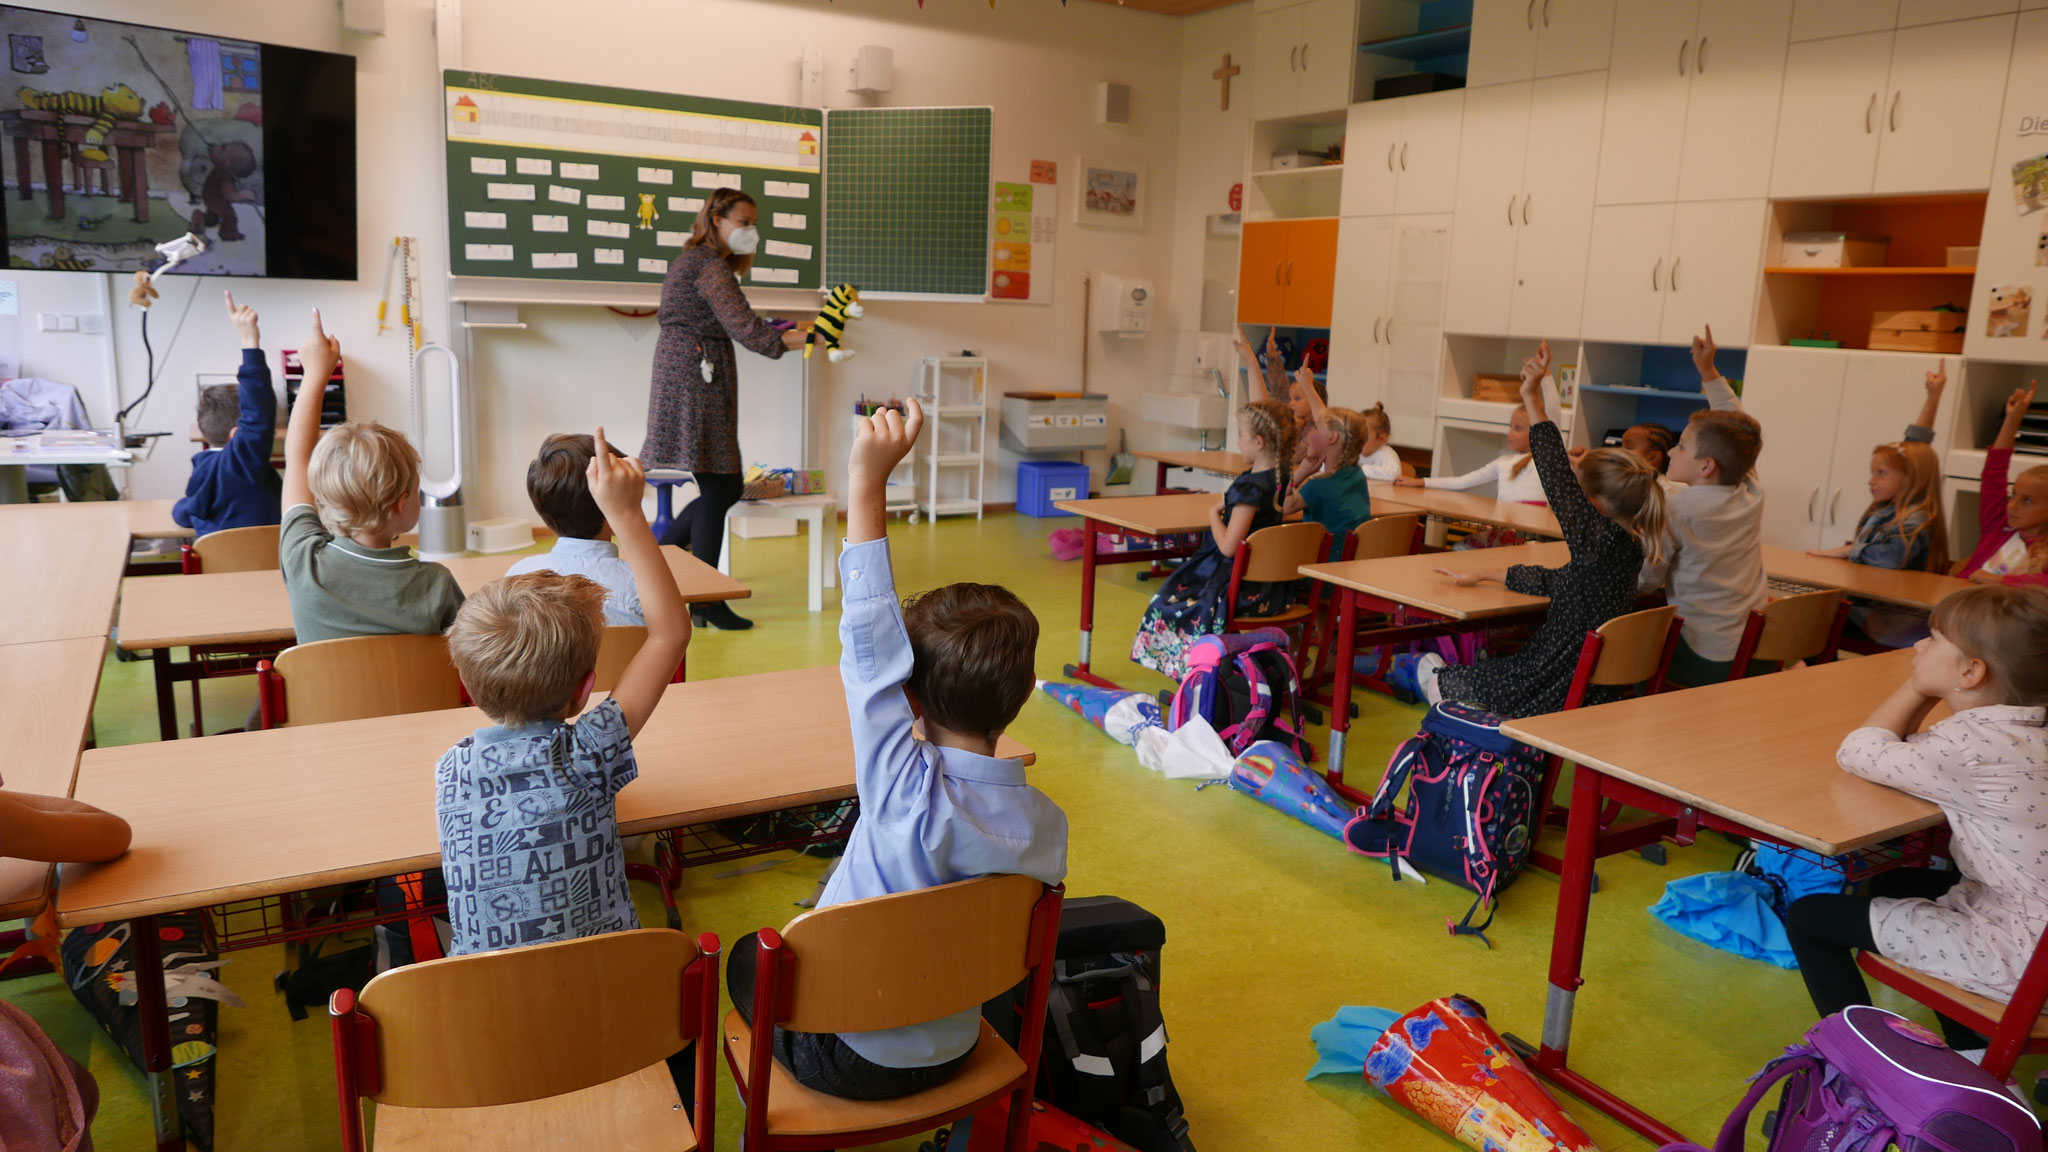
117,103
841,305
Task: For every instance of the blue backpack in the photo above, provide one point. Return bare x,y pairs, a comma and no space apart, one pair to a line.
1471,811
1244,684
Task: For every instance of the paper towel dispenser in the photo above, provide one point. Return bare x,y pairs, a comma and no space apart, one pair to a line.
1123,305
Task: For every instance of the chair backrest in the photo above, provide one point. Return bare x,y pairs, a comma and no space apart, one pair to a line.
1384,536
1277,553
1407,469
1633,647
359,677
909,957
527,1023
1797,627
620,644
238,549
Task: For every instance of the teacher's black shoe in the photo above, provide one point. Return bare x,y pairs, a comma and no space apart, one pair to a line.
720,616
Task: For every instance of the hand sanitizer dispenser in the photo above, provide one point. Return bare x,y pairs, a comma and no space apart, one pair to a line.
1123,305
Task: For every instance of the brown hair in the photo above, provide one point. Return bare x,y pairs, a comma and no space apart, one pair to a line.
360,471
558,483
1273,422
523,644
972,649
704,230
1917,508
1377,422
1346,431
1627,485
1662,440
2005,626
1522,462
1731,440
220,406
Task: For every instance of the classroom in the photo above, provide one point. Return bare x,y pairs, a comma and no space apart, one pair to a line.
1475,574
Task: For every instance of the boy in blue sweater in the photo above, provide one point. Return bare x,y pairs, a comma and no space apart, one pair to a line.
233,484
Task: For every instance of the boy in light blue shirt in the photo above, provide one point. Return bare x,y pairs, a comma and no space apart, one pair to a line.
583,540
932,811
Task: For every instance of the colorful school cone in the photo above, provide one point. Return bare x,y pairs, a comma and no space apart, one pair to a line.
1270,771
1121,714
1447,1065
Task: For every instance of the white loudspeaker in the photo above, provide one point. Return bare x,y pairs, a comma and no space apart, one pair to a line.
873,69
1112,103
363,17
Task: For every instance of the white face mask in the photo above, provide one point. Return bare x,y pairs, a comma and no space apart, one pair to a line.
742,241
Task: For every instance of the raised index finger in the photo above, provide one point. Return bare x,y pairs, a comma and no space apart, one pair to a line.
231,299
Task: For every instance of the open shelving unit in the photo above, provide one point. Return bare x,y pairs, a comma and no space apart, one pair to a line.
1441,41
952,455
1625,384
1838,303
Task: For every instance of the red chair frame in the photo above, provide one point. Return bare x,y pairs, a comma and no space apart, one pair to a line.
2011,1032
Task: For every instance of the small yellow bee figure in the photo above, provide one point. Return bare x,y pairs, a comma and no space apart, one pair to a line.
646,211
841,305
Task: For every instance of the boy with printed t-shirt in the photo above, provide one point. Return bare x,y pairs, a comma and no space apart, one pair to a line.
529,827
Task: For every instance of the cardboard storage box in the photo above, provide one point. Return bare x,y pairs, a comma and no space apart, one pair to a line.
1918,332
1832,250
1497,386
1962,257
1282,160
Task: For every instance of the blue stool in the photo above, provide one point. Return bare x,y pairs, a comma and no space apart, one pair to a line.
665,481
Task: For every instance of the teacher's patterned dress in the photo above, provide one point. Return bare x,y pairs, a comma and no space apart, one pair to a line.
694,424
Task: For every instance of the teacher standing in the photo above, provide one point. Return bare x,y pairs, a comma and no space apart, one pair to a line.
693,405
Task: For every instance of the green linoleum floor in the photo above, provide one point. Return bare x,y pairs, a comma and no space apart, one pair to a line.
1270,925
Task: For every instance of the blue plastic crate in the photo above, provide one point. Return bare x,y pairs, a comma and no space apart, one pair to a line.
1041,482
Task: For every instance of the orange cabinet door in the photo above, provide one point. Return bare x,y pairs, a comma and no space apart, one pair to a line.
1261,297
1310,277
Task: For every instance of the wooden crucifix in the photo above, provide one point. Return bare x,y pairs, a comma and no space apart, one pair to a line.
1224,74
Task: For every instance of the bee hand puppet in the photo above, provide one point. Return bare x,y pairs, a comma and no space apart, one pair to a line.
841,306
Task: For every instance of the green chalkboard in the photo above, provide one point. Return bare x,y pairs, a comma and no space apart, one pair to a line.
558,181
907,200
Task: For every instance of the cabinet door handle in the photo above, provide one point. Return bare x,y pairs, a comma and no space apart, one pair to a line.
1276,274
1525,206
1675,264
1810,498
1699,57
1294,52
1682,46
1390,329
1376,329
1546,13
1834,505
1304,57
1290,273
1511,211
1894,118
1655,273
1530,16
1868,110
1404,155
1390,155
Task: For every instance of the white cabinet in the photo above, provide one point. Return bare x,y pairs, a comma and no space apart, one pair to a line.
1912,12
1360,306
1713,66
1892,112
1306,58
1491,148
1820,19
1402,155
1822,412
1386,332
1660,273
1526,39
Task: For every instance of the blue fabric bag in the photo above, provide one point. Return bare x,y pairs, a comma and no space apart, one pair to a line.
1744,912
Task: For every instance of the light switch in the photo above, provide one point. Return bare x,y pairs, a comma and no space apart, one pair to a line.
47,322
67,322
93,324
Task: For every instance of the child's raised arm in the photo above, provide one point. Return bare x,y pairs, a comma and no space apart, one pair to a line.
880,442
617,485
2016,406
1937,380
318,356
1534,370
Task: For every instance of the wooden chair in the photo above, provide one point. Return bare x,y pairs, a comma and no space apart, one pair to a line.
1275,555
550,1046
1408,470
1624,652
889,962
621,643
1793,628
231,550
2016,1027
355,678
1377,539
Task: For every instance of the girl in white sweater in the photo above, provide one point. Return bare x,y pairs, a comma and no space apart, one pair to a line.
1377,459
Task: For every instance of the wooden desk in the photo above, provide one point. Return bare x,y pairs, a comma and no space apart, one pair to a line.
151,520
1862,581
1145,516
266,813
60,568
1755,757
1533,519
59,134
49,690
160,613
1215,463
1410,586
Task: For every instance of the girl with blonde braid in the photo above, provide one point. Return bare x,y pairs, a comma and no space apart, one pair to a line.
1191,604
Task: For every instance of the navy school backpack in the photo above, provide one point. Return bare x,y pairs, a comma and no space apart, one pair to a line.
1471,811
1244,684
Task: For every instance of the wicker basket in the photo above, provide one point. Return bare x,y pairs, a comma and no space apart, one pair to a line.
766,488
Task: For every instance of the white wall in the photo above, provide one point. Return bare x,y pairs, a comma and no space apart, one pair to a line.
1037,65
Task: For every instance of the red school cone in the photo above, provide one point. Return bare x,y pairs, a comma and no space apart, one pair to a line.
1446,1064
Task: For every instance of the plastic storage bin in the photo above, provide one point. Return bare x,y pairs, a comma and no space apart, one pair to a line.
1041,482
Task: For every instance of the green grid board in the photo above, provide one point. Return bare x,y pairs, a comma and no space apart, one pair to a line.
907,204
619,174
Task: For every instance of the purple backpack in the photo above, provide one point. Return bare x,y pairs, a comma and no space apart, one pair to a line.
1866,1079
1244,684
1471,810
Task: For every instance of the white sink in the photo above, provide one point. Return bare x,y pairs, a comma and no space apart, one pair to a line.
1184,409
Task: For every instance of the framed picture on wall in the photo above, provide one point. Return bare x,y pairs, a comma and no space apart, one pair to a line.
1111,195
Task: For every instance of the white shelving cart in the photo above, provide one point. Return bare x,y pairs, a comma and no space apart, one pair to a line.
952,453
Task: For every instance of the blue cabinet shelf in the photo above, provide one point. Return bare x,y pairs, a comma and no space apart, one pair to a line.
1452,41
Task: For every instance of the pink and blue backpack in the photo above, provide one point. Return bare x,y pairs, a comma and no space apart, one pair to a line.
1471,811
1867,1080
1244,684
